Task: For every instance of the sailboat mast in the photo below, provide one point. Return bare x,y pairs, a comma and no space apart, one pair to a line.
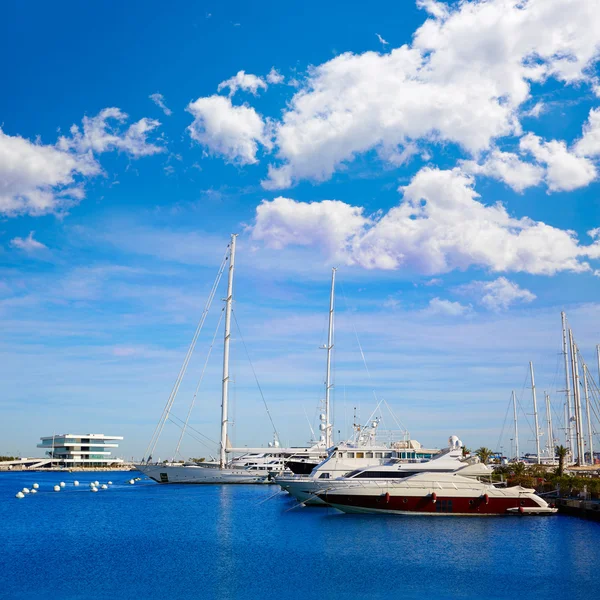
514,399
328,384
587,410
549,425
226,340
535,414
569,425
576,399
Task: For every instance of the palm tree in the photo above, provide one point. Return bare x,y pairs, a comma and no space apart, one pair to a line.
562,453
484,454
465,451
519,469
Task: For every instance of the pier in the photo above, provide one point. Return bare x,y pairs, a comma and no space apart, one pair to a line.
587,509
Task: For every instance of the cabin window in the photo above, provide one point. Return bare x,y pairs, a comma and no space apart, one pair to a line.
387,455
378,454
368,455
324,476
360,455
443,506
350,454
340,455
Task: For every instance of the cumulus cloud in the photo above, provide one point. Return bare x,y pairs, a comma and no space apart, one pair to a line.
497,295
589,144
565,170
507,167
439,306
159,100
463,79
440,225
233,132
28,244
38,178
102,134
243,81
275,77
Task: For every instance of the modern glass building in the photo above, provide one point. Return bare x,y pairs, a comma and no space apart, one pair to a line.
81,449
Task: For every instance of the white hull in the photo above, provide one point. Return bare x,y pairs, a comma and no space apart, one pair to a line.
199,475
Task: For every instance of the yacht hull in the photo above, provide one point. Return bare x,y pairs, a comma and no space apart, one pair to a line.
201,475
440,506
305,491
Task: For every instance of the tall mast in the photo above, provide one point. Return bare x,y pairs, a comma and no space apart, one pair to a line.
587,410
514,399
535,414
227,338
328,384
576,399
569,424
551,452
598,357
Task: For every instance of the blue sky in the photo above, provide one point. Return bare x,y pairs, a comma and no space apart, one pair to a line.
443,156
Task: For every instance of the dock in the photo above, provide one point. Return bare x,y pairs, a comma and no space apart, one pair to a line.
587,509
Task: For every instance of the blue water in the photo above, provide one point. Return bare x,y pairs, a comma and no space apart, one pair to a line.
202,542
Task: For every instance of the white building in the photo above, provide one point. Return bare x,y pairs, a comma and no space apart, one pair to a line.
81,449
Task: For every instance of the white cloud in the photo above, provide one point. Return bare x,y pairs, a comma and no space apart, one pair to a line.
438,306
38,178
282,222
536,110
382,40
589,144
28,244
159,100
439,226
233,132
463,79
565,170
243,81
275,77
497,295
102,134
507,167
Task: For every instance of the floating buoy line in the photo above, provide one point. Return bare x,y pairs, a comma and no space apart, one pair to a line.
94,487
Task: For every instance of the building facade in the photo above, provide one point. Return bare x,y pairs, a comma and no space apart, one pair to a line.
82,450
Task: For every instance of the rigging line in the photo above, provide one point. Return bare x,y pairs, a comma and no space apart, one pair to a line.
172,415
199,382
399,423
170,418
256,378
500,438
362,354
160,425
521,406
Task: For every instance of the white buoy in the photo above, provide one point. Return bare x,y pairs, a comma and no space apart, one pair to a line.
57,488
62,484
20,495
76,483
94,489
25,490
96,483
92,484
131,481
110,483
104,486
35,486
34,491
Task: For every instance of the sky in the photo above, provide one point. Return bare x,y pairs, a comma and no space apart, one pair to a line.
443,156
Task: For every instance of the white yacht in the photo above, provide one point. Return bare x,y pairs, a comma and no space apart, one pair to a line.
397,463
435,494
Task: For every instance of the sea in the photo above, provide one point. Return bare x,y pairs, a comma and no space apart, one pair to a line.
150,541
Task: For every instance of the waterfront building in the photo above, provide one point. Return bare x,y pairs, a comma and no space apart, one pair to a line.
81,449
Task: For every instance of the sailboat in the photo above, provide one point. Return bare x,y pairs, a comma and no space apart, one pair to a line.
256,465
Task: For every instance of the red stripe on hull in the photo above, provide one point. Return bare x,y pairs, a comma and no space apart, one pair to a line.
442,505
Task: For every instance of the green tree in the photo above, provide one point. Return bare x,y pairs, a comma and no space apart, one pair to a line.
561,452
484,454
465,451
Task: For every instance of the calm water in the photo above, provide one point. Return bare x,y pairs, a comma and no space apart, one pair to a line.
204,542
